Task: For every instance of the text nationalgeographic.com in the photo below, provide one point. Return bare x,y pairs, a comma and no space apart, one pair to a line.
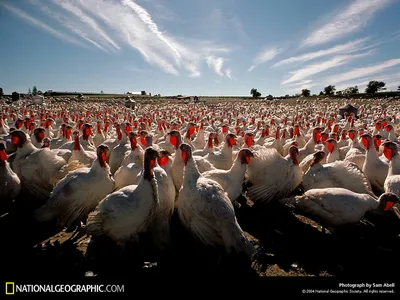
12,288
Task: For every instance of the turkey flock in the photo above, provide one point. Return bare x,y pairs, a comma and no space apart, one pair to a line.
107,171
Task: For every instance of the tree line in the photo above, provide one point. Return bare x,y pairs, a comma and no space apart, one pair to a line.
372,88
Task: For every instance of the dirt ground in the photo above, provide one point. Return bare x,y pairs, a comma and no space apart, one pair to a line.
288,245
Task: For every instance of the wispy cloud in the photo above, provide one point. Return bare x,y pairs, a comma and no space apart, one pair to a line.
349,47
228,73
135,27
350,20
392,37
68,23
362,72
392,85
391,80
136,69
84,18
264,56
223,22
299,89
111,25
308,86
323,66
304,84
161,10
62,36
216,64
237,24
145,17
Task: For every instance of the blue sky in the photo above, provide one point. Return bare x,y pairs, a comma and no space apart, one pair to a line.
198,47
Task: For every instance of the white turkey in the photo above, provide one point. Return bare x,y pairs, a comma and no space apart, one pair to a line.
85,139
208,148
206,211
136,155
272,176
392,182
121,150
79,153
223,160
356,153
343,174
232,180
122,215
99,137
374,168
10,184
334,207
77,194
38,169
37,137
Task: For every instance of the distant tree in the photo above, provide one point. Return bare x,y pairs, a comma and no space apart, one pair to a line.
15,96
314,95
354,90
375,86
351,90
329,90
255,93
29,92
398,88
40,92
34,90
321,93
1,92
143,93
287,96
101,92
305,92
339,93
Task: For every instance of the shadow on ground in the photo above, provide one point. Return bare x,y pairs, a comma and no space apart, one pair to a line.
287,244
297,244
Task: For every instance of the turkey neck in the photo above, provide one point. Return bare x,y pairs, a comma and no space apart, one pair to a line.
192,173
394,166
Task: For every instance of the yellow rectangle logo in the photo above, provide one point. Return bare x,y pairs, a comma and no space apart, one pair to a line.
10,288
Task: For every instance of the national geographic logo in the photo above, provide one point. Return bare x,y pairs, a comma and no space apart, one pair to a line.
10,288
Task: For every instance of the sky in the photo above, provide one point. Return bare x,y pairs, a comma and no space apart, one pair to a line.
198,47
